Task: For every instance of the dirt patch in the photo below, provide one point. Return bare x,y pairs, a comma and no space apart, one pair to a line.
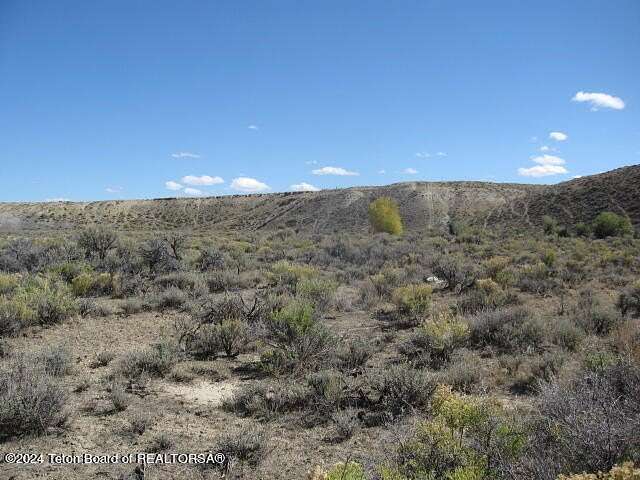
203,392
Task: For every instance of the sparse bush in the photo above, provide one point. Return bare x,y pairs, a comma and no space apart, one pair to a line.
31,401
118,397
626,471
56,360
453,270
609,224
210,260
131,306
231,337
160,443
486,295
629,300
156,362
318,291
384,216
345,423
172,297
592,316
592,421
102,359
353,355
266,401
506,330
400,389
97,241
14,315
244,445
583,229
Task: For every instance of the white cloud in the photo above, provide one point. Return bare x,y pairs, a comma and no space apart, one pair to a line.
546,148
59,199
185,155
253,127
558,136
193,191
441,154
548,160
333,171
547,165
249,185
423,155
577,176
542,171
201,180
311,162
171,185
304,187
599,100
382,172
410,171
113,189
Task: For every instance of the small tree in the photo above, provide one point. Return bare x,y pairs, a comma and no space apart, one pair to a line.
97,241
608,224
384,216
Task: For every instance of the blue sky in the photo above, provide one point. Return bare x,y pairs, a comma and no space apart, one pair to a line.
142,99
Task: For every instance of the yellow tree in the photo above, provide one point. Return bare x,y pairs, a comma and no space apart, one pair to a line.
384,216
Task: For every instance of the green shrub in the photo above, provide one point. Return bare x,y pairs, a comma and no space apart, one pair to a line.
583,229
467,439
8,282
609,224
549,225
435,340
14,315
413,300
288,274
384,216
318,291
486,295
592,316
346,471
82,284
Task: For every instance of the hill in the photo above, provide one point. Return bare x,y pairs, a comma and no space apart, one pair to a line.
422,205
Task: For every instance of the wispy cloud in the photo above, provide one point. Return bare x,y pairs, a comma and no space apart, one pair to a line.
558,136
410,171
202,180
599,100
548,160
248,185
171,185
311,162
542,171
423,155
193,192
304,187
253,127
333,171
113,189
185,155
382,172
58,199
546,148
441,154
